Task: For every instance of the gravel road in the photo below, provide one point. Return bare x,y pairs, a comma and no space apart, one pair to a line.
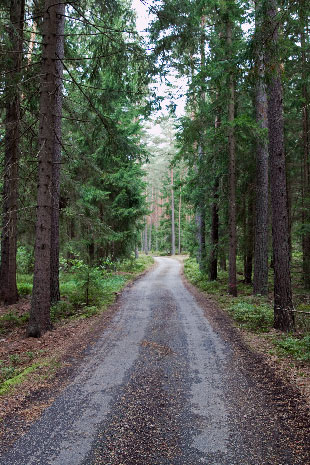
161,387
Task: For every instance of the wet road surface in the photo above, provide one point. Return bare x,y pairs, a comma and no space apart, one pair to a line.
160,387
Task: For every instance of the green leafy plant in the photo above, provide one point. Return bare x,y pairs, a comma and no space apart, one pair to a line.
297,347
24,289
256,317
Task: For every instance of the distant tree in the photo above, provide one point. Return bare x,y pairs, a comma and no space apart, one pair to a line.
172,216
232,280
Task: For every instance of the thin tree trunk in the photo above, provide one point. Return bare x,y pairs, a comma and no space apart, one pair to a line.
180,207
172,216
283,306
232,286
136,252
39,321
214,221
200,221
8,286
248,262
55,292
145,239
223,261
150,235
214,232
260,279
306,152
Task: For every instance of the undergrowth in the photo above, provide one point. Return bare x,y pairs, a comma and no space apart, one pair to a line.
85,291
254,313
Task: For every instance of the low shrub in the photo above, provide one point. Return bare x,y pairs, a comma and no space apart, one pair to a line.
297,347
256,317
62,310
24,289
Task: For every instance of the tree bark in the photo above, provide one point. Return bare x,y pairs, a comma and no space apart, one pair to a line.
214,220
145,239
8,286
40,321
248,246
283,305
150,235
55,292
172,216
232,286
306,151
260,280
214,232
180,206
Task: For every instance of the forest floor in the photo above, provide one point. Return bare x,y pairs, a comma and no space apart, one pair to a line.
162,377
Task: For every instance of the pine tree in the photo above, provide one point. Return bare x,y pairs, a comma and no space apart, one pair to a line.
40,321
283,306
260,281
8,286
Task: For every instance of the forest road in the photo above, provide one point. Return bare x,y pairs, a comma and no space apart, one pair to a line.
159,387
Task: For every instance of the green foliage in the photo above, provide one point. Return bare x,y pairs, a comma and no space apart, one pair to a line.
256,317
11,319
24,289
135,266
87,289
251,312
62,310
297,347
12,377
25,259
6,372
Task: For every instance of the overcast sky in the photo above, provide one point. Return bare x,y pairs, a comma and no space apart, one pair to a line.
143,19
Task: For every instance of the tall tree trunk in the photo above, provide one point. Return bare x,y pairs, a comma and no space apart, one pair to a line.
136,252
214,220
283,306
172,216
306,151
232,286
150,235
55,293
40,321
248,245
146,251
8,286
214,232
180,207
200,218
260,280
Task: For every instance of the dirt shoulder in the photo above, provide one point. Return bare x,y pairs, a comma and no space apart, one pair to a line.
57,356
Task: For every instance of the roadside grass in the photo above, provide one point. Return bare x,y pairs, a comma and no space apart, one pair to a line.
85,292
255,313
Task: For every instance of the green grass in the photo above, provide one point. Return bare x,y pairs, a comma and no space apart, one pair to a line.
15,377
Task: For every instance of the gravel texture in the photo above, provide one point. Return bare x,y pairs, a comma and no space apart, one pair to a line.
161,386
